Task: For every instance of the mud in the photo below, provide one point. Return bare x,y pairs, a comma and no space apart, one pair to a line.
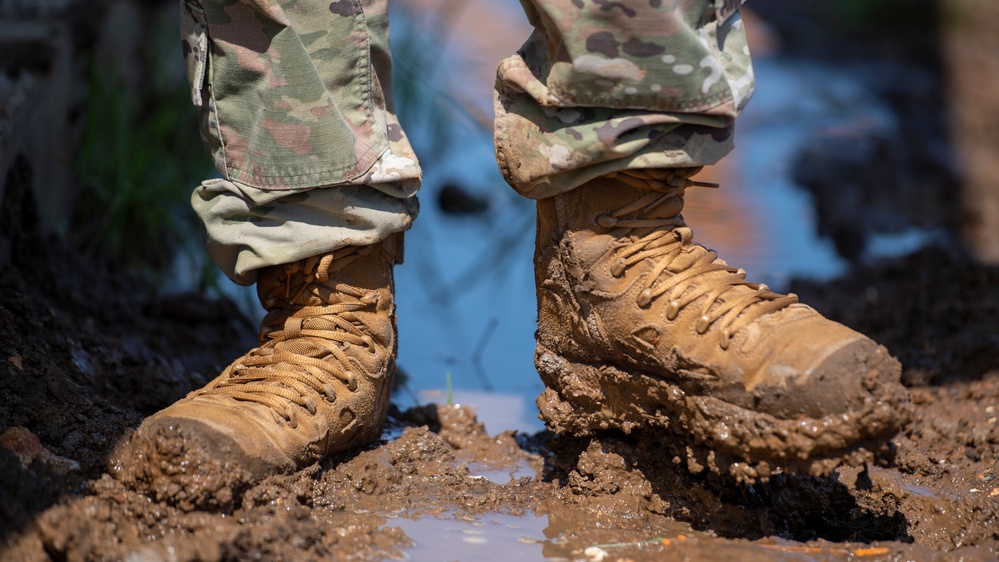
88,350
720,437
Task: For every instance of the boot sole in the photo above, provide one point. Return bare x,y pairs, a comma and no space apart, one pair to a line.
584,399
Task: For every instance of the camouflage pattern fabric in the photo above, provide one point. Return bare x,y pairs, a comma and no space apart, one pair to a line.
602,86
248,228
292,92
295,106
291,95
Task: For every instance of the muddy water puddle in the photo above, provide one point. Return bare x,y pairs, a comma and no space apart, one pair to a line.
501,475
503,537
554,537
491,537
570,536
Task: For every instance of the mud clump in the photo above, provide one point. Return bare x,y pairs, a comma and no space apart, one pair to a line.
188,471
721,437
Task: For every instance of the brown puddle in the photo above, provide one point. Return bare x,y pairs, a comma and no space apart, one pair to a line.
491,537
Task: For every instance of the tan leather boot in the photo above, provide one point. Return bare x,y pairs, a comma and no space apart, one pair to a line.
318,384
639,327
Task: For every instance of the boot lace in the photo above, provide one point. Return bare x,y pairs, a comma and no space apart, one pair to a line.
684,271
302,357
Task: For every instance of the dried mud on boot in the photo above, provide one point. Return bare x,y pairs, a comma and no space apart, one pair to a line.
655,467
641,328
723,438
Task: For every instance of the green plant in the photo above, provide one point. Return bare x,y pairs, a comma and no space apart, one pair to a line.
138,158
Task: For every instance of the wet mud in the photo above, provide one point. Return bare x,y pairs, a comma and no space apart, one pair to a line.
720,437
86,351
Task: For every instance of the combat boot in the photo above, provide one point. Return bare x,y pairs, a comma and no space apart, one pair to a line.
640,328
318,384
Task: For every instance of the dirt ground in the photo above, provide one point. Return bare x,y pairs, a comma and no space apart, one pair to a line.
87,350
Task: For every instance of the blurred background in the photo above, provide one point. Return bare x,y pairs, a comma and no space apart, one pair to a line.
874,131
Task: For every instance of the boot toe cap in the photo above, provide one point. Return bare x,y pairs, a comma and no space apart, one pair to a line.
190,463
845,379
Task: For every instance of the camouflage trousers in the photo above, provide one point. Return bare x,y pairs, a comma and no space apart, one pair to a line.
294,98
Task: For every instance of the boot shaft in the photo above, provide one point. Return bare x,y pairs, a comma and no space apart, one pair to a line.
314,281
347,275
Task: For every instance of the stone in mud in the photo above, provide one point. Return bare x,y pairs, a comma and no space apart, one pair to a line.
29,449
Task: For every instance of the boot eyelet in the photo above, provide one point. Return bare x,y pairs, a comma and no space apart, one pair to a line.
672,310
607,221
726,339
278,418
370,298
703,323
645,298
329,393
351,381
310,405
369,344
292,419
617,270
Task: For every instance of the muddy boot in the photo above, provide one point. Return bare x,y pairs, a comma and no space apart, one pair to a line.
641,328
318,383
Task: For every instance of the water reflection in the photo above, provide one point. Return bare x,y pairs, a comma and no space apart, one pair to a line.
563,532
495,536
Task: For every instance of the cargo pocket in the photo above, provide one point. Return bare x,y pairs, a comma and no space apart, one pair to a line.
285,90
194,41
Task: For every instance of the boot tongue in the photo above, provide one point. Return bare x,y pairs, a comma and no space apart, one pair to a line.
668,208
304,346
689,255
